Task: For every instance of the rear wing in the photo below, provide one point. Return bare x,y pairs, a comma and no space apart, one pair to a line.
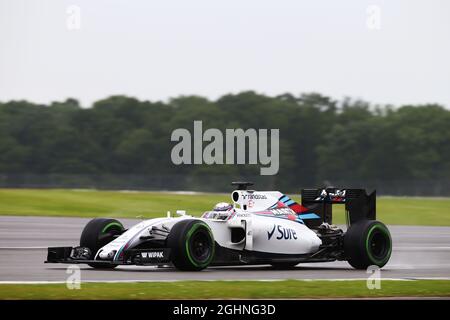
358,204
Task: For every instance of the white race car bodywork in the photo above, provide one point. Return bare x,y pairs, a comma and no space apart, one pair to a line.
258,228
264,230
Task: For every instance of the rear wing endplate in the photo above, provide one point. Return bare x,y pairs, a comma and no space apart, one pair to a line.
358,204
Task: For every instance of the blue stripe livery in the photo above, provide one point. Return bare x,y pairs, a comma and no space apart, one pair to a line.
305,216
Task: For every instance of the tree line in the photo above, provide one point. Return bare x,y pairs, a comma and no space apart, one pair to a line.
321,140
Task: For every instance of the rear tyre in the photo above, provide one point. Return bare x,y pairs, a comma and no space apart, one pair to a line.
366,243
97,233
191,244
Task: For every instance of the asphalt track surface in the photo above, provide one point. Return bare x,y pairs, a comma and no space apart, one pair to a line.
418,252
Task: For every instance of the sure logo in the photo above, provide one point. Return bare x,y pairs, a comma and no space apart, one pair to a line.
282,233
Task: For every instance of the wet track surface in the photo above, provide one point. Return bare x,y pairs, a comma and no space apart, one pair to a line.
418,252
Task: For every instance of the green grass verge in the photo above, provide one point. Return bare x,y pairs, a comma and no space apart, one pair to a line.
91,203
229,290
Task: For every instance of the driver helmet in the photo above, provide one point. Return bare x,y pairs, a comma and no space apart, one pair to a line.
224,209
223,206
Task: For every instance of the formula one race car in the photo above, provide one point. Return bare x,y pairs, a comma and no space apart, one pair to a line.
257,228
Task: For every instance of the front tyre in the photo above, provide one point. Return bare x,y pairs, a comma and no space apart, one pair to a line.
97,233
366,243
191,244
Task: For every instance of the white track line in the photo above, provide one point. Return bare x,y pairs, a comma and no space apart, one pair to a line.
228,280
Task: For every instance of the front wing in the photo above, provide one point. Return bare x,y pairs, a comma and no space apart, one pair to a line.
155,256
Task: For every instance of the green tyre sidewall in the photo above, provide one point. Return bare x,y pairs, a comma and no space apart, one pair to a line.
385,231
91,233
357,244
188,249
179,243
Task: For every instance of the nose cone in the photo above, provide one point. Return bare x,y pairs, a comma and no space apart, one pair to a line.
107,254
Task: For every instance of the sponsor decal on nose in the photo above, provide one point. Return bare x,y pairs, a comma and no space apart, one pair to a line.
152,254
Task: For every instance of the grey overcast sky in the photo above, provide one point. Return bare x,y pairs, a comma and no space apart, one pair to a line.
154,50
